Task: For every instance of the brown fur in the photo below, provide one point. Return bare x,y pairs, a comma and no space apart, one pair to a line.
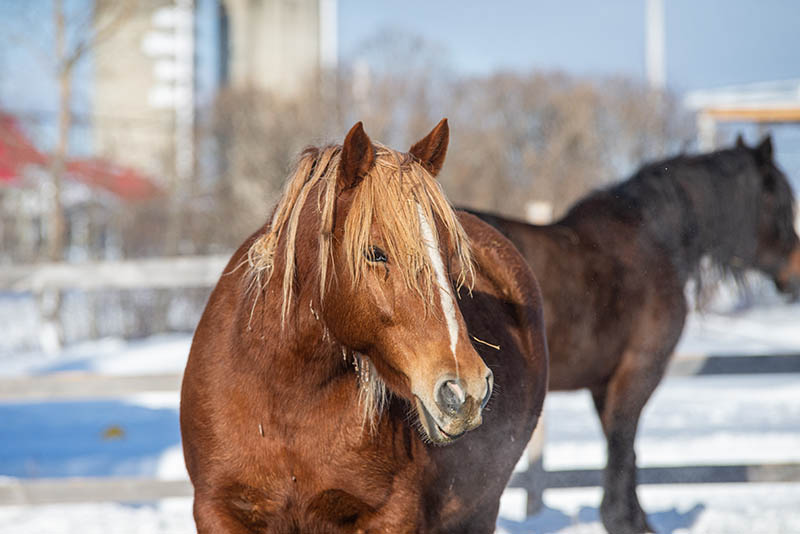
272,427
613,272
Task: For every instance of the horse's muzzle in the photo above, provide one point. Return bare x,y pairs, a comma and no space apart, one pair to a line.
455,411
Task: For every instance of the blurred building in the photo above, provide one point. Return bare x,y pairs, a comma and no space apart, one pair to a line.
128,125
278,45
762,103
168,60
753,110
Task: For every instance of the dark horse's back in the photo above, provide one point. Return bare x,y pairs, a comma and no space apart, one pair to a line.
591,285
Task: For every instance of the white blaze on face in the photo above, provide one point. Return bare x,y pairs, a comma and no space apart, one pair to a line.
445,295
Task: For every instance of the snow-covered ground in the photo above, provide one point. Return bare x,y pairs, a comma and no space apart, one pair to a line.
700,509
165,353
690,421
697,509
700,420
773,329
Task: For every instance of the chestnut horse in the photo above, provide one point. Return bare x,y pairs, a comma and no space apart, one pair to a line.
338,380
613,272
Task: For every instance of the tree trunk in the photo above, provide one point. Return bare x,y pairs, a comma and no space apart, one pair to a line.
51,333
56,223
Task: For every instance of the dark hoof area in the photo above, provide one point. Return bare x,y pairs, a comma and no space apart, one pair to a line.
620,519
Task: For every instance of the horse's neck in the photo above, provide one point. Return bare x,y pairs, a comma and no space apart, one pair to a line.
691,227
300,356
675,224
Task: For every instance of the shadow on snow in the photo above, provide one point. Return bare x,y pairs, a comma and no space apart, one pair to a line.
66,439
551,520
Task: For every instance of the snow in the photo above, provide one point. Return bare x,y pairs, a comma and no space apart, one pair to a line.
703,420
759,330
164,353
697,509
86,438
169,516
700,509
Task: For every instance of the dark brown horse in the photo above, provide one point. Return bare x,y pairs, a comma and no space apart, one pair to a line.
613,272
338,378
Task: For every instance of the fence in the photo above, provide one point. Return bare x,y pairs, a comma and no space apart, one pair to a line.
536,479
186,271
47,281
203,272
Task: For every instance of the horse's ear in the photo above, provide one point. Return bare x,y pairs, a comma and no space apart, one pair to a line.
740,141
764,149
432,149
358,155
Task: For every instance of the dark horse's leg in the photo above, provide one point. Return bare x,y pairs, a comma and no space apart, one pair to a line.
619,404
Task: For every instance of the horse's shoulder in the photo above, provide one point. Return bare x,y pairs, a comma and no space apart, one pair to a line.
503,275
496,257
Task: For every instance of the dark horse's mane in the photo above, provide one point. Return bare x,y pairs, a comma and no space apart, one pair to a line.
697,206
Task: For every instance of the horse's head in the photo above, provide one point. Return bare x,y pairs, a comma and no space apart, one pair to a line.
365,233
778,252
399,257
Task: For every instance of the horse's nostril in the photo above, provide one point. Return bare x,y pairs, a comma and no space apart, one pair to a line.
451,397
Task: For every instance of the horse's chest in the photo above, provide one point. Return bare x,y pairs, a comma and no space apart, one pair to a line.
324,483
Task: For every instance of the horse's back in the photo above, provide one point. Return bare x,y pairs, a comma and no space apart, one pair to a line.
595,273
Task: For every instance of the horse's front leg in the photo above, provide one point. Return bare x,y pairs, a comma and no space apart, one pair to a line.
619,404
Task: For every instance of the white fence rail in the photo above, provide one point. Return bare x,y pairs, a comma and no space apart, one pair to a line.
47,281
177,272
23,492
81,385
75,385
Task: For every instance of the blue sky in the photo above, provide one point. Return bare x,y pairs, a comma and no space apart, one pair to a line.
709,43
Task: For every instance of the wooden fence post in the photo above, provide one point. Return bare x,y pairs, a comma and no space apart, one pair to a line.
537,478
51,332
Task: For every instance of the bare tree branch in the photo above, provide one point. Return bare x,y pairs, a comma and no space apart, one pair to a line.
107,18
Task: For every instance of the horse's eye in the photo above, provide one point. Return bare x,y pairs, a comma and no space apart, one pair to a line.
375,255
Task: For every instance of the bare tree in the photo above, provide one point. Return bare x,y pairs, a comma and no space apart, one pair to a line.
516,137
90,31
552,137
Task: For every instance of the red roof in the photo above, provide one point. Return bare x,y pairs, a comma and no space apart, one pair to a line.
17,152
122,181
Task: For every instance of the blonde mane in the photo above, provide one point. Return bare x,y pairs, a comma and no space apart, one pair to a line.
391,196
